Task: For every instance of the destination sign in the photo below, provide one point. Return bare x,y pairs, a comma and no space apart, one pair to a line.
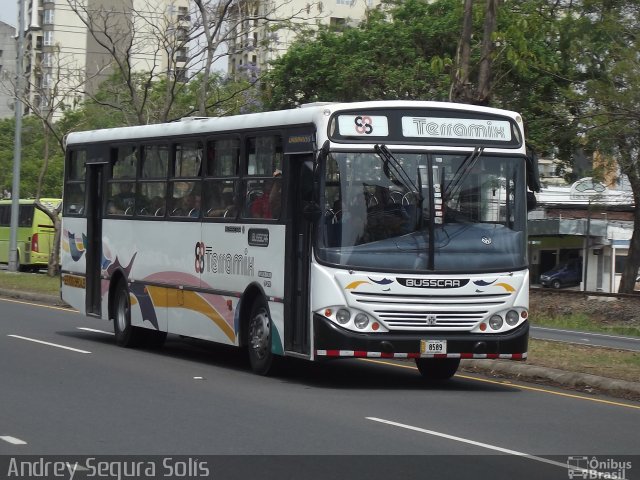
457,128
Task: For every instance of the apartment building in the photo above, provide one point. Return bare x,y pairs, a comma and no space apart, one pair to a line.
7,69
64,60
259,38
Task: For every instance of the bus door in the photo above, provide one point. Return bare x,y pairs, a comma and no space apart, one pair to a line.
96,169
298,254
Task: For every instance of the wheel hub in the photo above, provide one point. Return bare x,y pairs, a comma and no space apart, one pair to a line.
259,334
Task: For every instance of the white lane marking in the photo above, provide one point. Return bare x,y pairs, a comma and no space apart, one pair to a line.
635,339
13,440
484,445
95,331
48,343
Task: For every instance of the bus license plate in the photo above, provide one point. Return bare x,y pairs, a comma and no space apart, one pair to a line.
433,346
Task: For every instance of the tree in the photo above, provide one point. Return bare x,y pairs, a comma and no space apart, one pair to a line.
407,50
32,160
399,53
148,48
607,54
462,89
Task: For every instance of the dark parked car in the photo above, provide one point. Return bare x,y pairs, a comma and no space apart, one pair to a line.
562,275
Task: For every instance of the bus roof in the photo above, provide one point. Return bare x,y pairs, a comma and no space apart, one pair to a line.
306,114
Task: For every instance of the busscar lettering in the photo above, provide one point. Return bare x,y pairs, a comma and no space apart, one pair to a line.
433,282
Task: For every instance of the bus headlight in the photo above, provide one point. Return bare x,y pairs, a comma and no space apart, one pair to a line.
495,322
343,316
512,318
361,321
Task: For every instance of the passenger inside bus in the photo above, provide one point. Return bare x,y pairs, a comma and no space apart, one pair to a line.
268,204
124,201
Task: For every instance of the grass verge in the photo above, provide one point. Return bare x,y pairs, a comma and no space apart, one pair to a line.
584,323
604,362
30,282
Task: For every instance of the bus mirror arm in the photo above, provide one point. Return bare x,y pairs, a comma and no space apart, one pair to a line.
322,156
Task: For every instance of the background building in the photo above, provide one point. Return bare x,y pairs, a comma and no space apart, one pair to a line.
7,69
255,43
64,61
587,223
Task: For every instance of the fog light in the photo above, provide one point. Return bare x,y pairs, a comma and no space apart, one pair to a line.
495,322
343,316
361,320
512,318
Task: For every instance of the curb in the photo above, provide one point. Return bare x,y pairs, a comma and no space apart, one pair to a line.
516,370
53,300
536,374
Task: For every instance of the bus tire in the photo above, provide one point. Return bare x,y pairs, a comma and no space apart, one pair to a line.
259,338
126,334
437,368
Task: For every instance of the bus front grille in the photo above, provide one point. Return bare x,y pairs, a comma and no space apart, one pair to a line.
433,312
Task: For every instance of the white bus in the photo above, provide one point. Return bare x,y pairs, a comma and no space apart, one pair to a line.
386,229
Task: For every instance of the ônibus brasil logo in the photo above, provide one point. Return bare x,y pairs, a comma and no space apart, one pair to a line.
224,263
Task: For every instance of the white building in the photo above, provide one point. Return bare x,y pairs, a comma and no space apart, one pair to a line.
585,222
7,69
63,60
255,43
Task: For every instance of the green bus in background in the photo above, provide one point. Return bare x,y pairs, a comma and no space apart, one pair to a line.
35,233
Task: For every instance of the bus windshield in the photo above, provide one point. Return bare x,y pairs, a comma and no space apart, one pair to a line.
420,212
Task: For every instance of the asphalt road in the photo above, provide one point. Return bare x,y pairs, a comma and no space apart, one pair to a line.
620,342
66,389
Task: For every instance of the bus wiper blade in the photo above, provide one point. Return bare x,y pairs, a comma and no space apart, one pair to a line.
463,170
398,169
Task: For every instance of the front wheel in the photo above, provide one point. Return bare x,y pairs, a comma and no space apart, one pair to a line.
437,368
126,334
259,338
556,284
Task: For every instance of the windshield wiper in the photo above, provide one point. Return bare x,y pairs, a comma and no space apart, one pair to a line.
398,169
403,176
463,170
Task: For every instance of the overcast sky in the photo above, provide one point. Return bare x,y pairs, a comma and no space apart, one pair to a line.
9,12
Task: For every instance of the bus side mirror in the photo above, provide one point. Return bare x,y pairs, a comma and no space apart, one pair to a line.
311,211
532,201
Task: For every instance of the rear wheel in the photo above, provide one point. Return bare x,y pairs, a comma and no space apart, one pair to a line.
437,368
259,338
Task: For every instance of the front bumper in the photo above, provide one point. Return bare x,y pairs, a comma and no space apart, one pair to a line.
333,341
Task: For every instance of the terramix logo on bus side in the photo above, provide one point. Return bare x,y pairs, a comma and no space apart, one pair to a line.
433,282
224,263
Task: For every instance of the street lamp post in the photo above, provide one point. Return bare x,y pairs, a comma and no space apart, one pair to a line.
586,248
17,147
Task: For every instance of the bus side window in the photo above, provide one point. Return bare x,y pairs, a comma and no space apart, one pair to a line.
152,187
220,187
263,197
74,192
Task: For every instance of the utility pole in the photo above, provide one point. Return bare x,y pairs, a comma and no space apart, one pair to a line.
17,147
